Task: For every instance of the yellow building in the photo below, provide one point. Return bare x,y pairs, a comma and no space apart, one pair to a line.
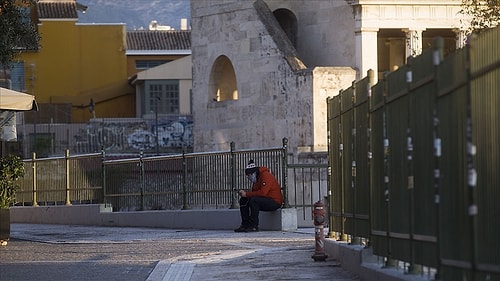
95,82
81,67
76,64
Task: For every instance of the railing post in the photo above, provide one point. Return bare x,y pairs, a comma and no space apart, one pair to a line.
103,169
413,268
471,171
33,158
343,235
329,196
355,240
371,83
389,261
285,173
141,168
234,197
185,205
437,59
66,158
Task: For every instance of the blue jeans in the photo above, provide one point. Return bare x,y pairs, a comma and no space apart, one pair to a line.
250,207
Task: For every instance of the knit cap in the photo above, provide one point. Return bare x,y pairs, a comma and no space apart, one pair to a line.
251,168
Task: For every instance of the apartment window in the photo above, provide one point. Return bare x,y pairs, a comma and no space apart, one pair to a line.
147,64
13,77
17,76
161,96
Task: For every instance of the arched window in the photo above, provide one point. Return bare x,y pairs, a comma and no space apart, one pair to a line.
288,23
223,84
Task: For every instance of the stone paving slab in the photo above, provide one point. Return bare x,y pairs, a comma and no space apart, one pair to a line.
62,252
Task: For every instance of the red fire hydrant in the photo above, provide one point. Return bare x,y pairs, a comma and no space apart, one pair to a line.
319,215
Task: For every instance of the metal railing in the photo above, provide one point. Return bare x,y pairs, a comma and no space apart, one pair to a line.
61,180
307,184
183,181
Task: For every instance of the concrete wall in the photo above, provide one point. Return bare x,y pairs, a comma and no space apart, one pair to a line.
102,215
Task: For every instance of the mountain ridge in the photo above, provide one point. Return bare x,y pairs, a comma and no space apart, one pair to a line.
136,14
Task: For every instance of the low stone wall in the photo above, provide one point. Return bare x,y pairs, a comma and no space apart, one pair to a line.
102,215
361,261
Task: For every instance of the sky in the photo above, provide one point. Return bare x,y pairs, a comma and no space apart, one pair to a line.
136,14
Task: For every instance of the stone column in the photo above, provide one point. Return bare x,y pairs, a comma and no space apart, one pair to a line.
413,42
366,51
460,38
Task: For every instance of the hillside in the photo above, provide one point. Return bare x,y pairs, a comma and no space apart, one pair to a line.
136,14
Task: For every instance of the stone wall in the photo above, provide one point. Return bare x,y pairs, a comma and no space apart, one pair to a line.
278,95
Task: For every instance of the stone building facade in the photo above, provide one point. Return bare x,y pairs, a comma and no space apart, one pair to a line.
262,69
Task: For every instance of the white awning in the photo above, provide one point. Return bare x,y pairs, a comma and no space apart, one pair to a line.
13,100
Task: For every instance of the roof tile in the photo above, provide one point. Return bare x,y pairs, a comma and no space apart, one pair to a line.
158,40
57,9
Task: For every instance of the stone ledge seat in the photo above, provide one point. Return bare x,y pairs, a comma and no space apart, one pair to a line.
284,219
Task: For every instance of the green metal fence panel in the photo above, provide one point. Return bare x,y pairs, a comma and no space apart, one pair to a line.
85,179
434,130
453,215
123,184
52,186
379,212
361,179
398,110
335,154
208,175
421,190
24,195
347,188
485,123
162,183
307,184
61,180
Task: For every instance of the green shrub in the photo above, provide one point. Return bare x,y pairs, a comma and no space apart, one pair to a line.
11,169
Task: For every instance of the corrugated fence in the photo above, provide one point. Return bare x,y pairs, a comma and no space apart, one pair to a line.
415,162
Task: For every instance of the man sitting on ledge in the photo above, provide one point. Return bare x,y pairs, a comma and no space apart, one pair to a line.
265,195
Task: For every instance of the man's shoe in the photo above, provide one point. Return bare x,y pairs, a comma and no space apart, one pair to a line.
252,228
241,229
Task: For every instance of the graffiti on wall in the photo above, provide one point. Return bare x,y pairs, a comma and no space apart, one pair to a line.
136,135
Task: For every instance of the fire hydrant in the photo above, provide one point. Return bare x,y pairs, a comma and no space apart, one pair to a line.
319,215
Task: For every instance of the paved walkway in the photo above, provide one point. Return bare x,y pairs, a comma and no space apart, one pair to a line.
62,253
